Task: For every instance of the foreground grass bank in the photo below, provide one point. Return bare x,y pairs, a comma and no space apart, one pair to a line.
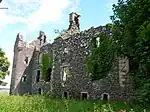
45,104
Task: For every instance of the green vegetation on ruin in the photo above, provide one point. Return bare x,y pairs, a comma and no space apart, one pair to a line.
47,62
101,60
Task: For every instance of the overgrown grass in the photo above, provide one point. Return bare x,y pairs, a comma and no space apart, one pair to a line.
45,104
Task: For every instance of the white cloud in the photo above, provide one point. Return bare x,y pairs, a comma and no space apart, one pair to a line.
35,12
49,11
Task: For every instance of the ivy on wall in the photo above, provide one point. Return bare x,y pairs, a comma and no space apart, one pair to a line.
47,63
102,57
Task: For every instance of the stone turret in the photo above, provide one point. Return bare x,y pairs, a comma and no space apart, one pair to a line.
18,48
74,21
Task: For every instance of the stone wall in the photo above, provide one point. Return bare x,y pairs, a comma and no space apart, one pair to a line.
71,52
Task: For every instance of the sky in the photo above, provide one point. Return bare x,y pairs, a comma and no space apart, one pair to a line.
31,16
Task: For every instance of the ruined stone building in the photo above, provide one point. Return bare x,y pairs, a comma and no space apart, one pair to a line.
67,77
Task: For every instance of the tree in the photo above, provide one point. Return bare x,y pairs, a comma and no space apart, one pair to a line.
4,65
131,21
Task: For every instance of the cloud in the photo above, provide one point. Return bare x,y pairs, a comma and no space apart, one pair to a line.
34,13
49,11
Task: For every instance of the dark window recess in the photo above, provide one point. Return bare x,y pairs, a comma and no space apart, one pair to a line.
38,76
105,97
44,39
77,21
65,95
84,96
24,78
39,91
26,60
48,75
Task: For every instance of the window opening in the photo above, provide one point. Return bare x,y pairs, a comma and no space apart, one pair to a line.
105,96
65,95
38,76
39,91
65,73
26,60
98,41
48,75
24,78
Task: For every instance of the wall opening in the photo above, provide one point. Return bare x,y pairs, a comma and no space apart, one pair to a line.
24,78
76,19
84,95
48,74
39,91
97,41
65,95
38,76
26,60
65,73
105,96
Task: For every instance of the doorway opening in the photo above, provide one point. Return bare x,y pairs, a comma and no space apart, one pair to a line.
84,95
105,96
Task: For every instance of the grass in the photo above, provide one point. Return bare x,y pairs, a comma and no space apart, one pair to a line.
45,104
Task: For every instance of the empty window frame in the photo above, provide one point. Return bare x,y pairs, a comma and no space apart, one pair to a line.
24,78
97,41
65,73
38,76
